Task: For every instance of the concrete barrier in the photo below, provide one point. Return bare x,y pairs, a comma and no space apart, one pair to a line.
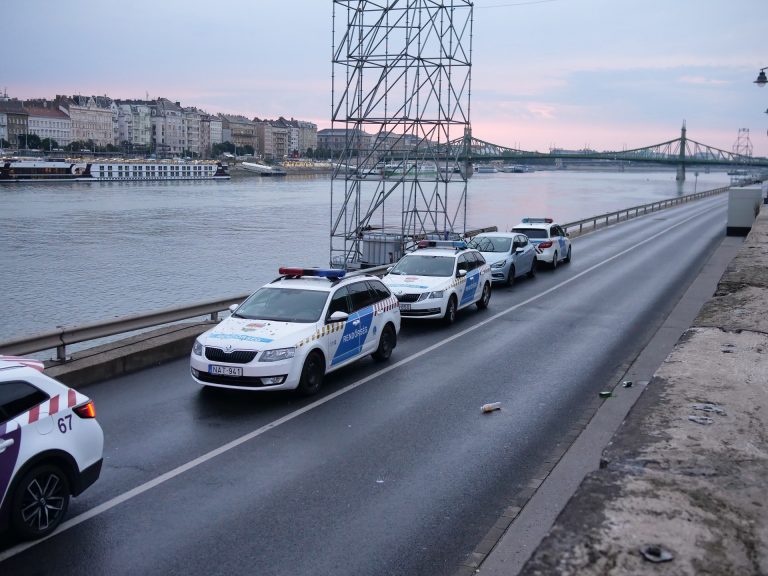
681,488
127,355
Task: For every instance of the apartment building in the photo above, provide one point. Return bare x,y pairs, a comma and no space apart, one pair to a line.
134,121
241,130
92,117
336,140
13,122
168,136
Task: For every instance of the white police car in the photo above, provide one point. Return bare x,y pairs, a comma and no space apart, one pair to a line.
509,254
50,447
551,241
291,332
439,278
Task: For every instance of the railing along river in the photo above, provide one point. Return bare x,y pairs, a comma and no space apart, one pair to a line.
65,336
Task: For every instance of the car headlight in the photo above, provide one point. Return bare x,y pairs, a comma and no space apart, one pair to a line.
499,264
431,295
197,348
277,354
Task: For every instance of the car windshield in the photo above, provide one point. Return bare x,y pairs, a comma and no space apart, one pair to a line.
491,244
423,265
532,232
283,305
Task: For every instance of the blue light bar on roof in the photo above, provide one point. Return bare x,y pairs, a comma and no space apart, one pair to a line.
537,220
319,272
455,244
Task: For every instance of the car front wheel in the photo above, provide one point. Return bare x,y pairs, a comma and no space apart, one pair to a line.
554,261
40,502
450,311
312,374
482,304
511,276
568,256
387,343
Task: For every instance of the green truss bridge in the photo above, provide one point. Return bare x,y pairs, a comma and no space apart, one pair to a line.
680,152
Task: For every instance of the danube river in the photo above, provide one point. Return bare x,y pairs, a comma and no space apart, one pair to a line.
78,253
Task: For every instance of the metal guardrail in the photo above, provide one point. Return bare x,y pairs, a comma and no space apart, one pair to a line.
64,336
635,211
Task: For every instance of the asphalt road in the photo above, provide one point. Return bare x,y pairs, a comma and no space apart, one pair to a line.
392,469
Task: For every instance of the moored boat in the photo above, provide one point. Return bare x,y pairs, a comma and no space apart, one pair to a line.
18,170
262,169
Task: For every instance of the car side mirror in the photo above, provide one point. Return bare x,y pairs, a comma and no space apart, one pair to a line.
519,250
338,316
461,273
389,269
233,307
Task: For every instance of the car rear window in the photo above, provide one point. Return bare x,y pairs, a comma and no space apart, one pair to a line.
17,396
532,232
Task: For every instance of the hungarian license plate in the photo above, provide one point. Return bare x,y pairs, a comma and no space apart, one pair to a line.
225,370
405,307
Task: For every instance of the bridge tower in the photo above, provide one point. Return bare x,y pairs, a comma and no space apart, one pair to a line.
683,146
401,90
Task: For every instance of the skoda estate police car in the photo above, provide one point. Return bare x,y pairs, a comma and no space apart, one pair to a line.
50,447
439,278
551,241
292,331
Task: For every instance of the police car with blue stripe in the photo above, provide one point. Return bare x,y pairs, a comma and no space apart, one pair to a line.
291,332
438,279
550,240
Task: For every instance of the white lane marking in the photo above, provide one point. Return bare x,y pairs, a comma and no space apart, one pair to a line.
138,490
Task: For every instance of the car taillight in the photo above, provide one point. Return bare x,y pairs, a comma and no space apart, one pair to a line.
547,244
87,410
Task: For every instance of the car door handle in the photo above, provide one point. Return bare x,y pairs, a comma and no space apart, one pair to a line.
6,444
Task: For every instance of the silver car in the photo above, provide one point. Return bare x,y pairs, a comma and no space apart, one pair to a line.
509,254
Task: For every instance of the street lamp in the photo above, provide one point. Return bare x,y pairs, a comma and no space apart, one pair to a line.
762,80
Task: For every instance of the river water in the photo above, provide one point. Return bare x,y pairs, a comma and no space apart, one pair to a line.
76,253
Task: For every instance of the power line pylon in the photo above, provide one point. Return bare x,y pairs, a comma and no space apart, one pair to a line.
743,145
401,93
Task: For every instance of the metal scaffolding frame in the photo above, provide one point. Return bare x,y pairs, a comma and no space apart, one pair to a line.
401,93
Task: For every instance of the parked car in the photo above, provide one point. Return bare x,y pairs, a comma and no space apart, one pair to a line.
438,279
51,447
509,254
550,240
291,332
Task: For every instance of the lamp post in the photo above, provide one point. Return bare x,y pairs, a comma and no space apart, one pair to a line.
762,80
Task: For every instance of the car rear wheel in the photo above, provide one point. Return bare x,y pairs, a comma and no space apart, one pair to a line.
40,502
554,261
532,271
511,276
568,256
387,343
450,311
312,374
482,304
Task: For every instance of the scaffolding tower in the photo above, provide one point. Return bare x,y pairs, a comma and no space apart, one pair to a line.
401,93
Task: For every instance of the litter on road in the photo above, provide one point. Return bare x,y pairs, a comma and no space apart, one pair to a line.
704,420
491,407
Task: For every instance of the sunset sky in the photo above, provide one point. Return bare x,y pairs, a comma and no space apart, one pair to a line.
603,74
